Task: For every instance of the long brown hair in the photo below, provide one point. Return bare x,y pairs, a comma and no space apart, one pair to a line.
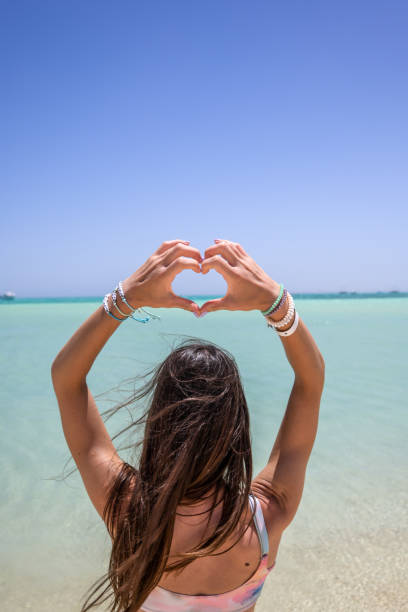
196,441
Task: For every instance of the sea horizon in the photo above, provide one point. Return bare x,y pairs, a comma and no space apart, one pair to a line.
297,295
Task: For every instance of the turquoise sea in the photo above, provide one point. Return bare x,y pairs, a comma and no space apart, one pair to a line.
346,550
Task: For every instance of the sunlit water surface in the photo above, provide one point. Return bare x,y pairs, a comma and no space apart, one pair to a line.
347,547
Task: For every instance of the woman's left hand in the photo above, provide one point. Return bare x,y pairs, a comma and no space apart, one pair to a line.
151,284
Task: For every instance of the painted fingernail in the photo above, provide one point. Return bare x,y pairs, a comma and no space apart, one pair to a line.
203,313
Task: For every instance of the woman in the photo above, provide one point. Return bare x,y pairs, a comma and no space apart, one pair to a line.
190,528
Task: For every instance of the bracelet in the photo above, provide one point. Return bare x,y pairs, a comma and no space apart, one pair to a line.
116,306
292,328
106,307
131,316
287,317
291,311
150,315
282,303
276,302
124,300
122,295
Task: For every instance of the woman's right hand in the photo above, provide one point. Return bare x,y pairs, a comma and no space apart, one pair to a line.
249,287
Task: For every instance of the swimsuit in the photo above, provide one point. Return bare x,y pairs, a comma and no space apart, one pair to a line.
238,600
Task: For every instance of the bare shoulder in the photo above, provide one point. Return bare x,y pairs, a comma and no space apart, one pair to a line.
272,502
274,517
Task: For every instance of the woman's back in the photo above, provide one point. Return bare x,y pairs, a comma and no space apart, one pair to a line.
244,563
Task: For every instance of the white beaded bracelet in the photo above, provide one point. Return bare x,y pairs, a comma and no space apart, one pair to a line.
113,294
287,318
292,328
150,315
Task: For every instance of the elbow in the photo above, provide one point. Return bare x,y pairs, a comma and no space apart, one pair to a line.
64,379
322,364
321,359
56,365
322,370
58,373
55,372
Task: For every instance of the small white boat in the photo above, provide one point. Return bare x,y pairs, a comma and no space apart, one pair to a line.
9,295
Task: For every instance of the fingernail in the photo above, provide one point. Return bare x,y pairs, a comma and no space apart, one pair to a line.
203,313
196,314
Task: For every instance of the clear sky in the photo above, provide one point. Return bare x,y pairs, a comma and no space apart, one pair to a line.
280,125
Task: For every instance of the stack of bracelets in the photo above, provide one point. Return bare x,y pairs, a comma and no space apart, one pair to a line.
283,297
278,304
125,315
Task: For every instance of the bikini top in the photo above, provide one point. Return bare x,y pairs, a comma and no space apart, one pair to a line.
238,600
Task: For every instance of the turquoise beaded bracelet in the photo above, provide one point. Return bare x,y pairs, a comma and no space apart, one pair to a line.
106,307
276,302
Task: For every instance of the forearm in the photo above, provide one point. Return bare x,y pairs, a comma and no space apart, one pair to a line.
75,359
299,425
303,355
305,358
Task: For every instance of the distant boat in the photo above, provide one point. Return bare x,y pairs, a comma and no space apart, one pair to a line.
9,295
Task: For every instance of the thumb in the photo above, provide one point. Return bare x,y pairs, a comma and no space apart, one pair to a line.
180,302
217,304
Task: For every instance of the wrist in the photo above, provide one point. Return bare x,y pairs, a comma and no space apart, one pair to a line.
108,306
124,307
270,294
120,313
283,322
278,316
132,300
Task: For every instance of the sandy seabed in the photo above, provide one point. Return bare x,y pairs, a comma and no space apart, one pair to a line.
359,573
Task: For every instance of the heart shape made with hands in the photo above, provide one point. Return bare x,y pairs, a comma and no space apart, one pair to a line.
248,286
217,259
202,287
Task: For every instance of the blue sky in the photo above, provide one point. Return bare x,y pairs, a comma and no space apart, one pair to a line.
282,126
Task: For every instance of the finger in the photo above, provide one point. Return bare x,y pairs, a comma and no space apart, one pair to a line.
218,263
178,250
223,303
182,263
168,244
241,249
223,249
234,245
180,302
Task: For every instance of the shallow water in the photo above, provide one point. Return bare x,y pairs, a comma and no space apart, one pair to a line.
346,548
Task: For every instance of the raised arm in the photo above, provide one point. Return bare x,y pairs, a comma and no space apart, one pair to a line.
85,432
284,473
281,482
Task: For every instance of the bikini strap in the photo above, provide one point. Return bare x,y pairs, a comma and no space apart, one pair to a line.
260,524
